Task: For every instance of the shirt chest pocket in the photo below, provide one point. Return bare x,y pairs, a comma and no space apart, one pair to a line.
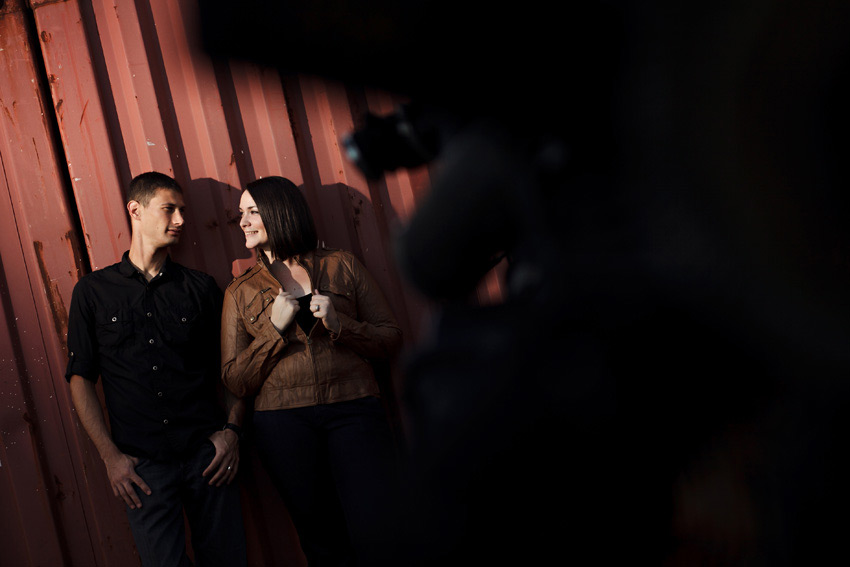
180,324
113,327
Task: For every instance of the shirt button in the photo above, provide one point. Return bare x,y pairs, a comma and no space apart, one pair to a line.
156,368
151,341
149,314
183,319
114,319
165,422
159,394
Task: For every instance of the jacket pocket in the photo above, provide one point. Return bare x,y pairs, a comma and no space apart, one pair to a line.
259,304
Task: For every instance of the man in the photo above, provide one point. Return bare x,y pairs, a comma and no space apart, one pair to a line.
150,328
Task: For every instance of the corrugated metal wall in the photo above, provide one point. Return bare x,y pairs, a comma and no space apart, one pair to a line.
93,92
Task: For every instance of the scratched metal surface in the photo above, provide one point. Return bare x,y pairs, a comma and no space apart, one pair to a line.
93,92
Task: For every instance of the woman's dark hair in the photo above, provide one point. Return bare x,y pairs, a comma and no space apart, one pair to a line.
286,216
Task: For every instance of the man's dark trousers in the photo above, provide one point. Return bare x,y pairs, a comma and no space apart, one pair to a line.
214,513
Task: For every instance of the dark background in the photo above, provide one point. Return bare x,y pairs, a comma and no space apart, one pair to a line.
668,378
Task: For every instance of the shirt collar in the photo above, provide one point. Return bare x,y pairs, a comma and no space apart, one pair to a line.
128,270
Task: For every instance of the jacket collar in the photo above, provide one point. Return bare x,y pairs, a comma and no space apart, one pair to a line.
307,259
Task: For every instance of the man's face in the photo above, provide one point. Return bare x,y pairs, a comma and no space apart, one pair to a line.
161,220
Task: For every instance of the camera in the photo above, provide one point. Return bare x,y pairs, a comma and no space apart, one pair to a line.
410,137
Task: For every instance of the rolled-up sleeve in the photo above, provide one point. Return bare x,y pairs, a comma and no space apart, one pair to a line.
82,343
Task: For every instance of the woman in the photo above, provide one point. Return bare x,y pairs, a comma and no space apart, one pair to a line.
298,329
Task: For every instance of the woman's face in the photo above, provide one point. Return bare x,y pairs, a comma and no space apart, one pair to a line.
252,223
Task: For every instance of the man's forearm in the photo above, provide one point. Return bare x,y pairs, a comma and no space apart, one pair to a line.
91,416
120,468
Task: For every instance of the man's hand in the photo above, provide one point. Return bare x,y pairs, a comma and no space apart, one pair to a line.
226,461
121,470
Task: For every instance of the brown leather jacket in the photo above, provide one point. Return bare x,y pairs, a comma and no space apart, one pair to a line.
291,369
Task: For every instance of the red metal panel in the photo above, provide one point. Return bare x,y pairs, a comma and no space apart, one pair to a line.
128,86
259,116
29,533
131,92
41,262
79,111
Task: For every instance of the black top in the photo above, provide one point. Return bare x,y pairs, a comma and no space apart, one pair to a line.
156,345
304,317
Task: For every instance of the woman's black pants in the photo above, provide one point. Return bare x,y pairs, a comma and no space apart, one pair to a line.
335,468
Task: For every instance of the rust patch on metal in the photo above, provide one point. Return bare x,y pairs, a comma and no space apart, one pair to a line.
76,254
83,114
6,110
60,492
37,4
57,306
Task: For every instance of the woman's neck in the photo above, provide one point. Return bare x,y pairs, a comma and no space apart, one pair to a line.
272,259
291,275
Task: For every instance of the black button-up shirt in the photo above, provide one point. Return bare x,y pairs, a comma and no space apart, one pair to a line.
156,346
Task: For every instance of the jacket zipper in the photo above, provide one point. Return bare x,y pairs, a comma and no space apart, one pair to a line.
310,339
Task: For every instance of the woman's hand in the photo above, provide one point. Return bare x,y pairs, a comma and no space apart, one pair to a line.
323,308
283,310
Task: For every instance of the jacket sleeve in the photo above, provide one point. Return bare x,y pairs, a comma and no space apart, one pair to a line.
374,333
246,361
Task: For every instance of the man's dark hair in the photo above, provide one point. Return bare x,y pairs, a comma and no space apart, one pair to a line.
145,185
286,216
